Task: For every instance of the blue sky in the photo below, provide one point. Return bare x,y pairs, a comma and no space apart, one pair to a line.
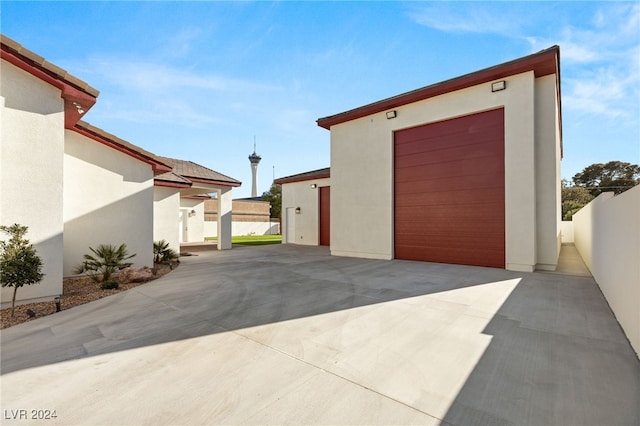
199,80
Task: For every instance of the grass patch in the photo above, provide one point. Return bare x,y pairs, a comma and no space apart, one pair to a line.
252,240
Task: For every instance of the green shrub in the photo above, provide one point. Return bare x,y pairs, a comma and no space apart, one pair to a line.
109,285
19,262
162,253
106,261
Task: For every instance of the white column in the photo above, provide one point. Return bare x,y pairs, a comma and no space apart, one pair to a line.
224,218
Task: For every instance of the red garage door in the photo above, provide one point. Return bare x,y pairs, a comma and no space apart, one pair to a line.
449,191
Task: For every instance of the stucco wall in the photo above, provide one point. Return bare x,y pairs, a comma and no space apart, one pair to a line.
242,211
548,177
607,236
108,199
166,216
306,225
567,231
31,179
243,228
195,231
362,170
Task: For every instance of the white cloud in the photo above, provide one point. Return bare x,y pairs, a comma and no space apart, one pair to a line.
606,93
152,91
603,65
152,76
600,54
570,50
471,19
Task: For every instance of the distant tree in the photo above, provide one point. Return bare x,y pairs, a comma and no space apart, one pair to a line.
573,199
615,176
19,263
274,197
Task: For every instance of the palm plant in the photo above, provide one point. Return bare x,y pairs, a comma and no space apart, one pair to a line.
105,261
162,252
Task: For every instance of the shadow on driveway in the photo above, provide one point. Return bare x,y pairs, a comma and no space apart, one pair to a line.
465,345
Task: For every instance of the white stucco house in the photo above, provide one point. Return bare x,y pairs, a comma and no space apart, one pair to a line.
74,185
465,171
179,198
108,187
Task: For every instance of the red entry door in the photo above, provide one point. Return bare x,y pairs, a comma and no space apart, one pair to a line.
325,215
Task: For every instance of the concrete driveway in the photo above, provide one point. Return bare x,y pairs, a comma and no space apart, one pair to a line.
291,335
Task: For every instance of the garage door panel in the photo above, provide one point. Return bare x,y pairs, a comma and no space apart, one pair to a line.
434,249
452,142
460,194
484,182
459,224
452,230
449,191
476,123
441,196
449,162
444,255
452,234
448,156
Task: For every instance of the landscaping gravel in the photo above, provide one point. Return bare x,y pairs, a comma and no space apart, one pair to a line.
75,291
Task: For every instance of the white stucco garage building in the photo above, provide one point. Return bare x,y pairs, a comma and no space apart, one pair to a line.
464,171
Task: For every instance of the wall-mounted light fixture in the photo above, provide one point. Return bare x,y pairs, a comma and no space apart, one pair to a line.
498,86
192,213
391,114
79,108
297,210
314,186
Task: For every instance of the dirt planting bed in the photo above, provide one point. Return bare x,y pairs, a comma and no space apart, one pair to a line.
75,291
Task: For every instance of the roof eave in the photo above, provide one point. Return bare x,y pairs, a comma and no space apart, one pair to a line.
170,184
231,184
542,63
78,96
306,176
111,141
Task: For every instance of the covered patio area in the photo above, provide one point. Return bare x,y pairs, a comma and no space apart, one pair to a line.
180,195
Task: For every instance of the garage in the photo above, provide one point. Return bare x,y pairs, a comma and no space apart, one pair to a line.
449,191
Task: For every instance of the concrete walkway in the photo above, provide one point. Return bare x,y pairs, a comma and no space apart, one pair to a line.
570,262
290,335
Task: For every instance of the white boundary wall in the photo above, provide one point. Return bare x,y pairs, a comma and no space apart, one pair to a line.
243,228
607,236
567,231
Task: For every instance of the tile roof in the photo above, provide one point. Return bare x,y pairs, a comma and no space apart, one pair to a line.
104,137
78,96
196,173
173,178
51,69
